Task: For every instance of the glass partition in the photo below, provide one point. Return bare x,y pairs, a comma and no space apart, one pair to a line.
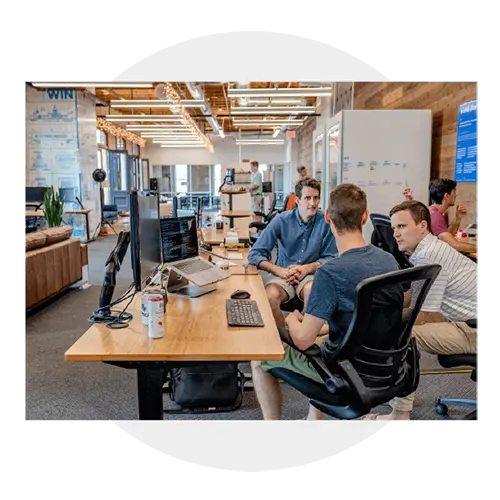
318,157
333,159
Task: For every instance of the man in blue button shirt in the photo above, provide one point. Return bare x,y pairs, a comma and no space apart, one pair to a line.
304,242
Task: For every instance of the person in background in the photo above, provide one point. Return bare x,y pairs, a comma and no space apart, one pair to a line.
333,298
256,190
446,323
302,171
443,194
304,242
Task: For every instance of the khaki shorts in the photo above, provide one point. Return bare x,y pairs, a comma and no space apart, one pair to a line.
296,362
292,290
256,203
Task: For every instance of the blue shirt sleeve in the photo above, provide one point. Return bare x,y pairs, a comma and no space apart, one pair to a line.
262,248
324,298
328,247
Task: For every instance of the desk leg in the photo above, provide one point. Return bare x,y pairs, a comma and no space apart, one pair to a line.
149,390
88,226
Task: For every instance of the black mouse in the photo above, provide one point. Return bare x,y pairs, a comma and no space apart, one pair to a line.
240,294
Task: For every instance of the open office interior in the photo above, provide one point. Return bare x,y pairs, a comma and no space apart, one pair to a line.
131,184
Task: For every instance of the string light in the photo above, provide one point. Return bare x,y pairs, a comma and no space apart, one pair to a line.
113,129
168,92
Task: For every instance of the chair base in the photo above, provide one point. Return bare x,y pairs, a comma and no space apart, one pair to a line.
441,406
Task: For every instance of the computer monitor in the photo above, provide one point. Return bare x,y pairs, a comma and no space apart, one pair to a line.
67,195
35,194
267,187
113,265
179,238
144,235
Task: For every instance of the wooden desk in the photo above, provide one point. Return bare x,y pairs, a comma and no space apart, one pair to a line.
195,330
212,236
241,266
473,241
34,213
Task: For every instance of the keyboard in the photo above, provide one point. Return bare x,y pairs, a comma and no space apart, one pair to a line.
193,267
243,313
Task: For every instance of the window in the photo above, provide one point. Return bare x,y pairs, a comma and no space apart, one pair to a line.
120,143
101,138
200,178
217,178
135,149
181,178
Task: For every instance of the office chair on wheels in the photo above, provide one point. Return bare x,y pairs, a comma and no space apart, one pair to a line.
368,367
453,361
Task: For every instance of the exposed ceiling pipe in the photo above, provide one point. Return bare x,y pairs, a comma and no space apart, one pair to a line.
197,93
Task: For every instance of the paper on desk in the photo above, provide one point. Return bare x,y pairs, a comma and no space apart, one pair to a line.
234,256
228,255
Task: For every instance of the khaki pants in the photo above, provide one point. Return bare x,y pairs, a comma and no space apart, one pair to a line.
440,338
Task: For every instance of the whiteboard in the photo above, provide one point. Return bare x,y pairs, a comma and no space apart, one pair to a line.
383,152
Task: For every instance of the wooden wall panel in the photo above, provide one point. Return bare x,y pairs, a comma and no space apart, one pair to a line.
443,98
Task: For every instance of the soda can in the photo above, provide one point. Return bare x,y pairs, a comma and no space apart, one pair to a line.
156,318
157,289
146,296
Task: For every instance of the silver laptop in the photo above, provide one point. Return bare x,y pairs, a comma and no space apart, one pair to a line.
179,241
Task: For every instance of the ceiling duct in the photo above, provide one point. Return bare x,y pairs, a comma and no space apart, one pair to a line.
197,93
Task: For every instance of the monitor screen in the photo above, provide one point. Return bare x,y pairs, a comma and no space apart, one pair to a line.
35,194
67,194
144,235
179,238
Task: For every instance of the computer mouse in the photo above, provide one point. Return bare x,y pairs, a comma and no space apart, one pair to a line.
240,294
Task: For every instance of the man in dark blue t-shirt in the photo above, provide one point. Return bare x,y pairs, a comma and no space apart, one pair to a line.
332,297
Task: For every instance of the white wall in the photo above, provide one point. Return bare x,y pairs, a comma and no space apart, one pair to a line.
225,151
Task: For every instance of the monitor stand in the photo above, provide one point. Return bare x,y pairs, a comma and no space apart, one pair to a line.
178,285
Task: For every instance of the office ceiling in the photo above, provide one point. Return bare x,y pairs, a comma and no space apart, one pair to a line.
224,109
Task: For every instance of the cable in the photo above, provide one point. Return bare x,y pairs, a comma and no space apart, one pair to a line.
118,318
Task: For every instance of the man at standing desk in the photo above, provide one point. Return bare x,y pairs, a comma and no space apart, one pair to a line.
256,190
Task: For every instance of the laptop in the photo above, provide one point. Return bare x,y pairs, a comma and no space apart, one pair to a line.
179,242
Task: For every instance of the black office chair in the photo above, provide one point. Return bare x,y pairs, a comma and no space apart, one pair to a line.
383,237
453,361
266,219
367,368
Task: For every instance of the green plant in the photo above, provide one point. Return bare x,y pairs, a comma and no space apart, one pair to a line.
53,207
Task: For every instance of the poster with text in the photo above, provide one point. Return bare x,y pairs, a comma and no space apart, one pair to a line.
466,157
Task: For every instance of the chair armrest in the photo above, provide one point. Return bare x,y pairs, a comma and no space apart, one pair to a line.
260,214
259,225
313,353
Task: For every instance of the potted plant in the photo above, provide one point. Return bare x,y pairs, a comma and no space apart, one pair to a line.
53,207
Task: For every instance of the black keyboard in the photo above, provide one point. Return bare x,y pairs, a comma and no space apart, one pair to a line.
243,313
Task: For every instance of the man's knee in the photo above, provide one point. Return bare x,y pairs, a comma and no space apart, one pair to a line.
306,291
275,294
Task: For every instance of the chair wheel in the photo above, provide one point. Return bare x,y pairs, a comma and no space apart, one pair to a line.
441,409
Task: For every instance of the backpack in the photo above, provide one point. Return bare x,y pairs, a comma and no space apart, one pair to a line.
206,388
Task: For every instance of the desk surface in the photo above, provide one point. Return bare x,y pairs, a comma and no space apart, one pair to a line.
34,213
195,330
235,213
86,211
212,236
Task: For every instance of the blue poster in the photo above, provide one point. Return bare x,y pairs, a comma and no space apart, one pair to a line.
466,158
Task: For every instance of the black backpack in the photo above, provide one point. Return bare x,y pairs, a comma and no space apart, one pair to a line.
205,388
